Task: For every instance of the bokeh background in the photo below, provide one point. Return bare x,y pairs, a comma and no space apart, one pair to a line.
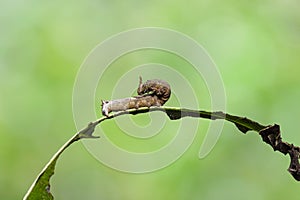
255,44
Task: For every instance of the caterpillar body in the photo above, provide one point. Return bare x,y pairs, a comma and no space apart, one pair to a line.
151,93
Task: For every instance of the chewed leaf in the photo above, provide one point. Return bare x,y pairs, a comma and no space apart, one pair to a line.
40,189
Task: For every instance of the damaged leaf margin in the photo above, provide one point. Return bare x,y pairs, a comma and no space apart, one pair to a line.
40,189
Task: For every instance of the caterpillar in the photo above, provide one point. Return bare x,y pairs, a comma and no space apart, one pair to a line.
151,93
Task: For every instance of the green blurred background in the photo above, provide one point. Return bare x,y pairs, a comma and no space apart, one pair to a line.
255,44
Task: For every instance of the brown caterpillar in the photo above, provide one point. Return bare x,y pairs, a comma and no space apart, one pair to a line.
151,93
